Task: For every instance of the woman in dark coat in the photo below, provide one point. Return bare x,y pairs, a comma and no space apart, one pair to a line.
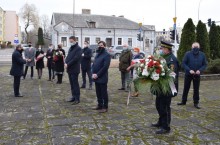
50,62
39,61
59,55
17,69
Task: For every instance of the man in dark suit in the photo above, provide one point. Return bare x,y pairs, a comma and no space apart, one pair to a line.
50,63
30,57
17,69
86,65
72,64
100,76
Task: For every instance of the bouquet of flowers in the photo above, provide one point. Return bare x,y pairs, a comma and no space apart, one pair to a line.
154,71
57,55
40,56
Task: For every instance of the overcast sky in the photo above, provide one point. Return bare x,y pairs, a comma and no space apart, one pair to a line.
151,12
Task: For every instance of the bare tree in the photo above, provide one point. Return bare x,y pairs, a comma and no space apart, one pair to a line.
45,24
29,15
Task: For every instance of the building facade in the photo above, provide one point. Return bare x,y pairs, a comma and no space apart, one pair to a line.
93,28
1,25
11,27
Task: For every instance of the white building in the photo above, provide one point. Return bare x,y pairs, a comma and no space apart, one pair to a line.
93,28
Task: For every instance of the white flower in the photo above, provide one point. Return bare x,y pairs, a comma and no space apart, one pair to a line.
163,74
56,53
147,60
142,65
145,73
155,76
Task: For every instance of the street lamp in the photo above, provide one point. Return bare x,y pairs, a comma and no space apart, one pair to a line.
73,16
199,8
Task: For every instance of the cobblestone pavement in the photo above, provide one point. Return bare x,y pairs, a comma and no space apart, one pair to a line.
44,117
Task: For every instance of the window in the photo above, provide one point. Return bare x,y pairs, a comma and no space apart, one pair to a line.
77,39
97,39
109,31
64,41
87,39
119,41
130,41
91,24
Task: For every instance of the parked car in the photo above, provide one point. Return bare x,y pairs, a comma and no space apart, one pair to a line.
115,51
25,46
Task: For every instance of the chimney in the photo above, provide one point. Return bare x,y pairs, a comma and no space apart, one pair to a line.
121,16
86,11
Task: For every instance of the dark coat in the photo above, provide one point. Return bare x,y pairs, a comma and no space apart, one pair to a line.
86,59
59,62
173,64
40,62
49,56
125,60
73,59
194,62
100,66
17,64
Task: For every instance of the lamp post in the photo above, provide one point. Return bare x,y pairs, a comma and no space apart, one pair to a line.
199,8
175,41
73,16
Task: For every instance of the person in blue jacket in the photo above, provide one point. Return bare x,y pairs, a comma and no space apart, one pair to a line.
100,76
194,63
17,69
72,65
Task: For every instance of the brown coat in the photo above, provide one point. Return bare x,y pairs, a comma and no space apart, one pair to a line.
125,60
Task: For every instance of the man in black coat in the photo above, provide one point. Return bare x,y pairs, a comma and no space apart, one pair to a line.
17,69
50,63
100,76
86,65
72,64
163,101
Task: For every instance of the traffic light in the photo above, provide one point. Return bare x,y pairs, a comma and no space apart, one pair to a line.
172,34
164,31
209,22
139,37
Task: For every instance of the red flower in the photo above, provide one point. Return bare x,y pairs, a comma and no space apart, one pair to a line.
151,63
142,61
158,71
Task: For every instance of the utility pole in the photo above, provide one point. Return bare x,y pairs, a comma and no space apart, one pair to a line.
174,27
199,9
73,16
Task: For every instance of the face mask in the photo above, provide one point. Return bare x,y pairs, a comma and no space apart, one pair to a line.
73,43
29,45
161,52
135,53
85,46
39,48
195,50
21,50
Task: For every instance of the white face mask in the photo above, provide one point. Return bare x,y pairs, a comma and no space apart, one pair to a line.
39,48
135,53
73,43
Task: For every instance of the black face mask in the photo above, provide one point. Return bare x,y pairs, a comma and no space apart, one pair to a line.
29,45
195,50
21,50
100,49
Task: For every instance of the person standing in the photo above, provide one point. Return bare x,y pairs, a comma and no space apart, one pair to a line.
50,62
86,65
100,76
17,69
30,57
124,63
72,64
194,63
163,101
39,61
59,57
136,57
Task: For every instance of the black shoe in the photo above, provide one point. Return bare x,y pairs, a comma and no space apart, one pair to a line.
103,110
97,108
197,106
18,95
181,103
75,102
162,131
83,87
71,100
121,89
155,125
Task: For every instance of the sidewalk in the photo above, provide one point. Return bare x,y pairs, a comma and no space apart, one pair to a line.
44,117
